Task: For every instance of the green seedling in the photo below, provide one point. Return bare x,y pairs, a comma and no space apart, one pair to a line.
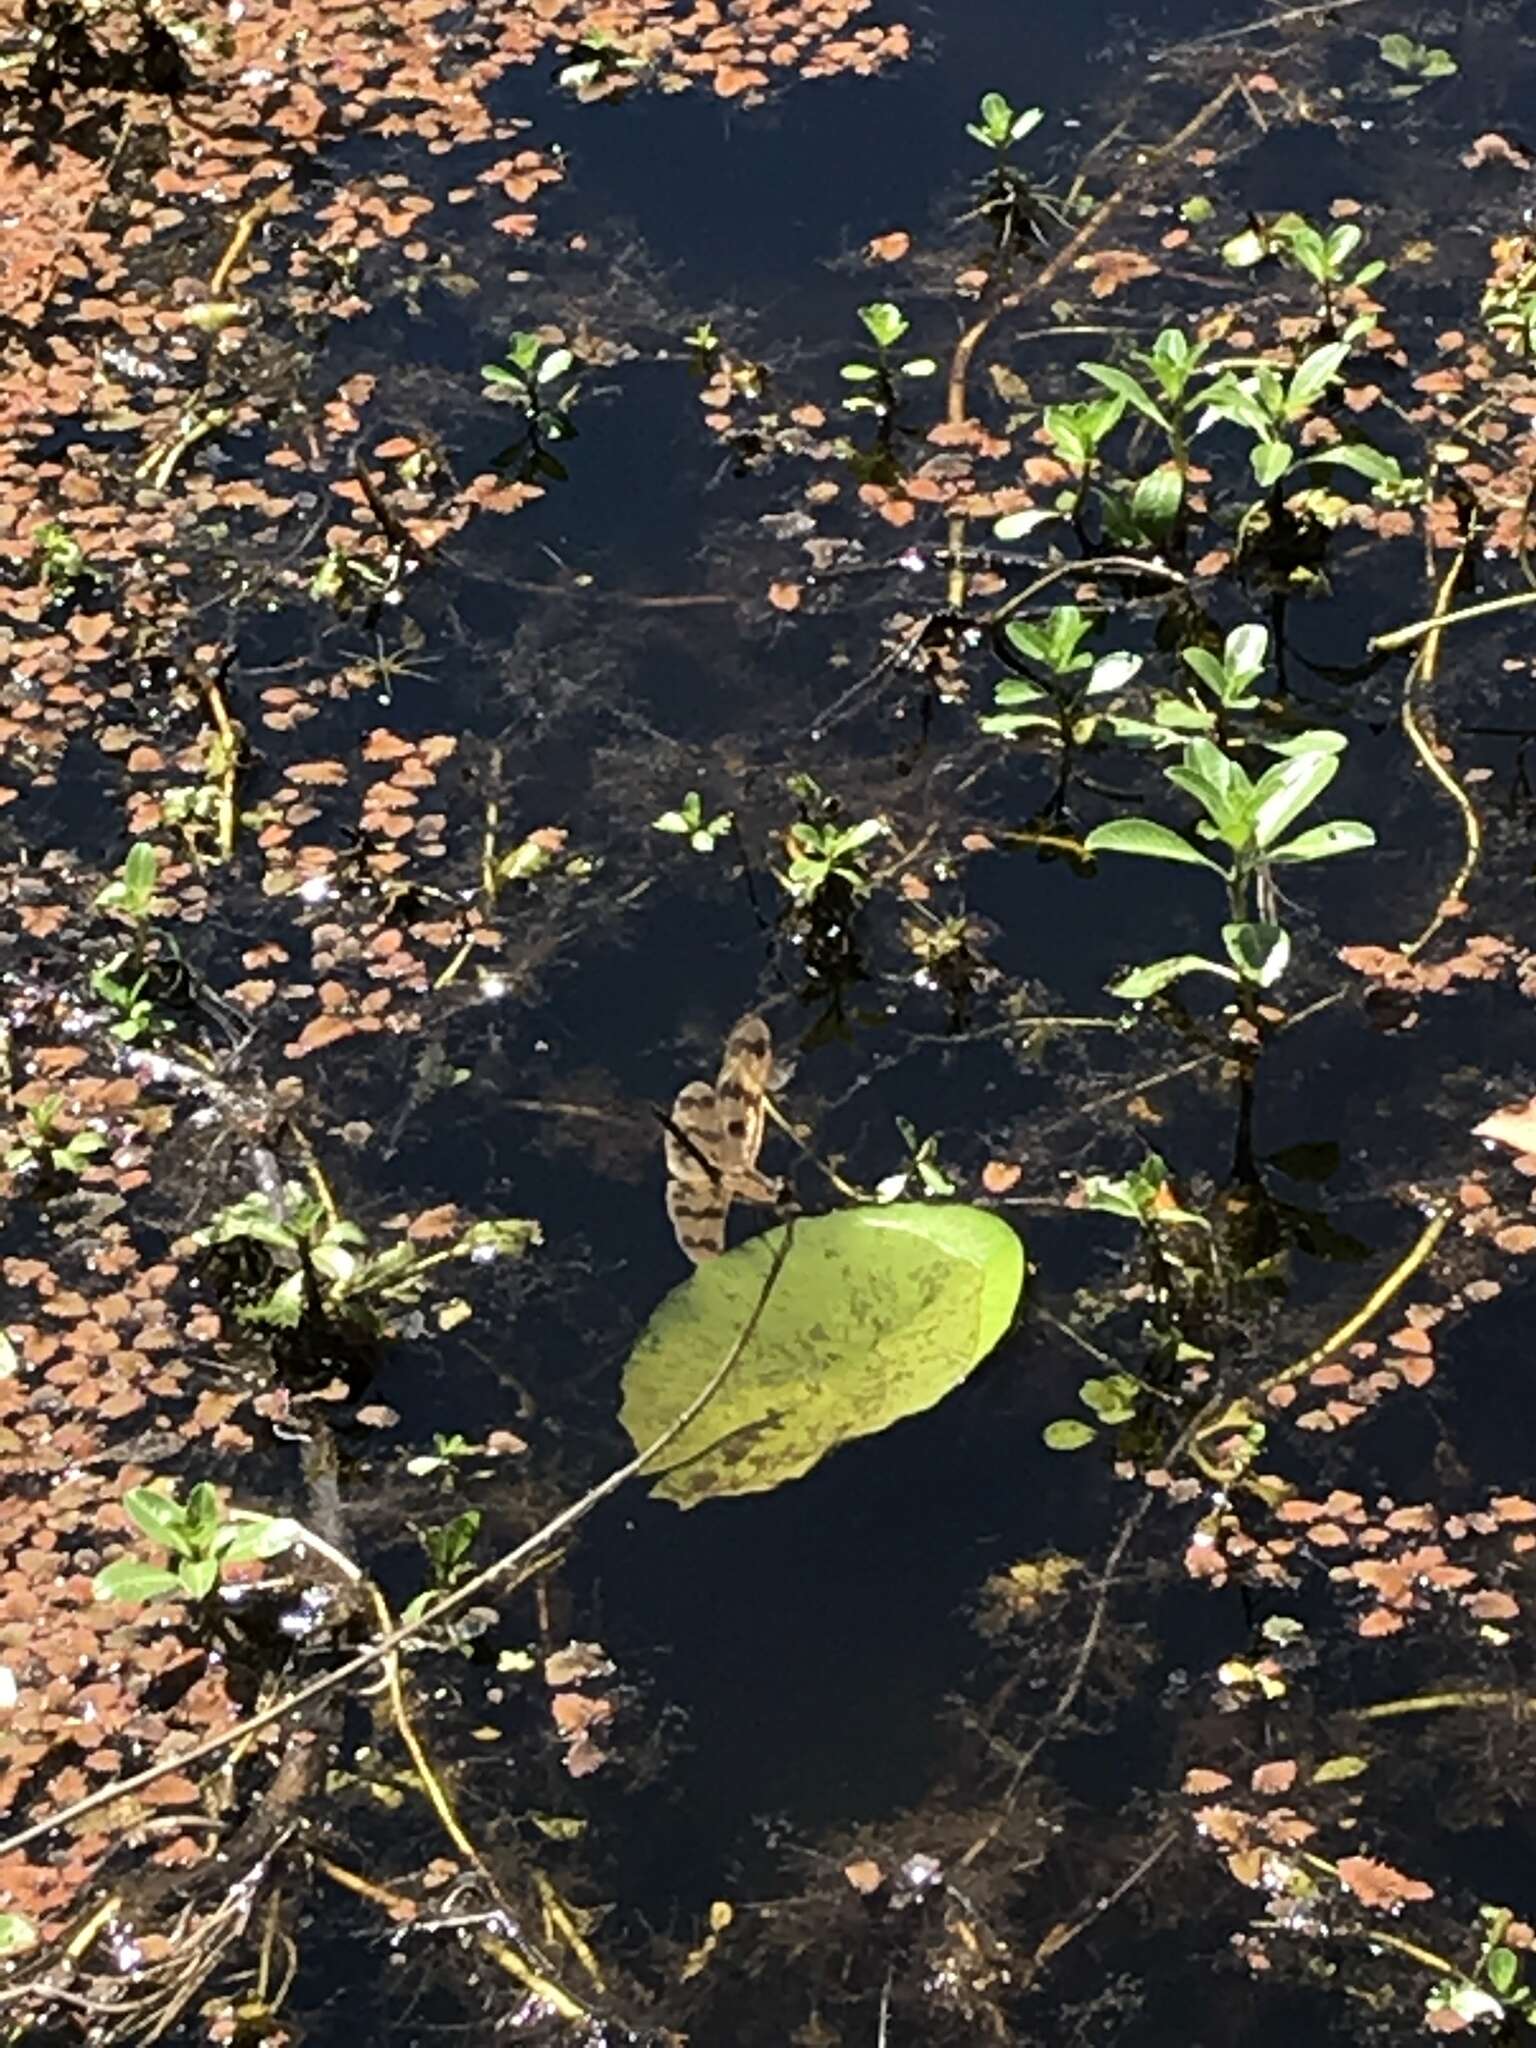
1323,254
305,1263
876,378
1419,64
41,1147
922,1166
131,892
528,378
1058,698
200,1539
1078,433
58,558
688,821
1002,125
1162,392
820,855
1247,820
1270,406
447,1545
123,987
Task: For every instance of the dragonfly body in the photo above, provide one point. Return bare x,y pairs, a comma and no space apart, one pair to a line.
713,1138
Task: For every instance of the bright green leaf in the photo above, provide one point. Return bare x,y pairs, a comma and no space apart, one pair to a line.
1337,1769
1144,836
1142,983
198,1576
162,1519
1342,835
1068,1434
877,1314
17,1934
130,1579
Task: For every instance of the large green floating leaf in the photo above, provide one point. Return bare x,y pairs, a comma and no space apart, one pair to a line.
876,1314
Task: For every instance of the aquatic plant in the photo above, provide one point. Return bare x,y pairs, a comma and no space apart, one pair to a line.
201,1537
877,1314
1248,818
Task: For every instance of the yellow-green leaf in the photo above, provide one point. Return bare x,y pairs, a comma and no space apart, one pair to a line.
876,1314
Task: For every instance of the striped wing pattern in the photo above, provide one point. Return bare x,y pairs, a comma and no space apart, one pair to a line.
713,1141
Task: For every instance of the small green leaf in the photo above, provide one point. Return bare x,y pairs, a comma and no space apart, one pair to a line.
162,1519
17,1934
1207,667
1125,386
1156,500
1142,983
858,373
1246,651
1314,376
1260,952
1269,461
1113,1399
1144,836
1112,672
1283,792
1362,459
1343,835
1067,1435
269,1536
554,365
1244,249
884,323
1336,1770
1399,51
198,1576
202,1514
130,1579
1501,1967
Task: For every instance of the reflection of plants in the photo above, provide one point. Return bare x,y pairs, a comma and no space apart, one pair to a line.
41,1147
198,1537
300,1262
1248,820
688,820
1146,1197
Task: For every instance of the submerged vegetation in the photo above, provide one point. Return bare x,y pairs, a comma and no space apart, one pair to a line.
1047,657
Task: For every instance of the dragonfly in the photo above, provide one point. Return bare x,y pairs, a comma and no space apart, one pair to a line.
713,1137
